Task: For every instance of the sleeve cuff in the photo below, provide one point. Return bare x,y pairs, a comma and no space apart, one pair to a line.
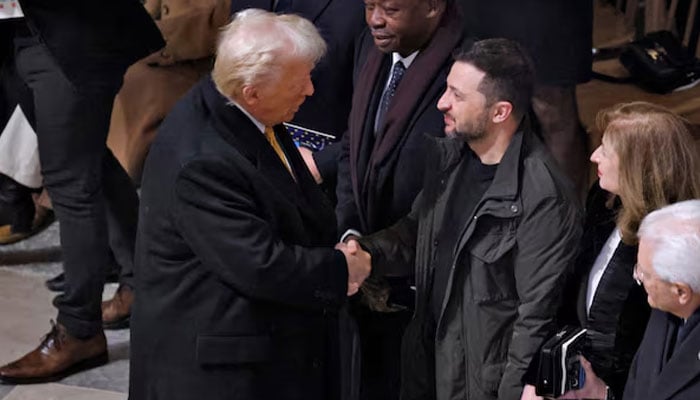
349,232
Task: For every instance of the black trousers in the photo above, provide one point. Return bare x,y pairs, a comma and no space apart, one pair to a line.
93,197
380,343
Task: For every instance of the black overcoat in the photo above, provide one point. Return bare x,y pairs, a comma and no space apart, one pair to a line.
237,282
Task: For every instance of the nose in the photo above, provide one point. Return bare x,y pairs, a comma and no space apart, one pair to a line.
595,156
375,17
443,104
309,88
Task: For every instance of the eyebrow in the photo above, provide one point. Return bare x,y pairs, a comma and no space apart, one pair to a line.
455,90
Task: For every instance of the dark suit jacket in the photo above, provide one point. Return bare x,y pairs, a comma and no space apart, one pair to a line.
377,182
653,378
340,22
619,311
236,277
90,38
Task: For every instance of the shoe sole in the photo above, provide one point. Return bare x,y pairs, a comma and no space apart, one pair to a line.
122,323
7,237
86,364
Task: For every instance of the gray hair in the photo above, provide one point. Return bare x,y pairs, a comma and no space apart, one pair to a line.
674,231
251,46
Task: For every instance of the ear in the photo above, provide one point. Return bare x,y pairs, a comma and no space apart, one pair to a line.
434,8
683,292
250,95
500,111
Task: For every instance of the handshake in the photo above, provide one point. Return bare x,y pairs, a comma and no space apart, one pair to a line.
359,264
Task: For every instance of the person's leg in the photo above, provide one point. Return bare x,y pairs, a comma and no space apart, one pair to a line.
72,123
19,161
122,216
557,111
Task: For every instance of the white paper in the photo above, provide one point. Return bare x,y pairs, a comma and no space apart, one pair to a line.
10,9
19,151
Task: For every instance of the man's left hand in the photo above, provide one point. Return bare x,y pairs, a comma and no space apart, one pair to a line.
308,157
593,388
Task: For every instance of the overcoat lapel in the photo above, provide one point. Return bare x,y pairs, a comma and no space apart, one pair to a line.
240,132
682,368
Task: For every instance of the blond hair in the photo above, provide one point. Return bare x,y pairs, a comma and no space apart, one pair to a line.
252,48
658,160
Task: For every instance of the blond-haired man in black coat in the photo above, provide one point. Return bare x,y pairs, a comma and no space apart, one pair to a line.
237,280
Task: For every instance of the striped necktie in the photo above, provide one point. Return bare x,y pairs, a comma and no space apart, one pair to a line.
270,135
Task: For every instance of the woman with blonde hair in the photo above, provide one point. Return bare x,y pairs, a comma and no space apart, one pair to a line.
647,159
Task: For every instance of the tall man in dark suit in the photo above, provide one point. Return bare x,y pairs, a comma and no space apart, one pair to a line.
72,55
238,285
400,69
667,364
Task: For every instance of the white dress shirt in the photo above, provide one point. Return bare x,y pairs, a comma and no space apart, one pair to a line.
600,265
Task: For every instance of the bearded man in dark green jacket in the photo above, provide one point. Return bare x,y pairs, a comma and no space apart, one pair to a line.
492,237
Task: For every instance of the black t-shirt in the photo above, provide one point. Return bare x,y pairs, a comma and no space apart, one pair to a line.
472,180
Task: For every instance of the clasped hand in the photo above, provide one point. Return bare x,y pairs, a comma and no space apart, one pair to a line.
359,264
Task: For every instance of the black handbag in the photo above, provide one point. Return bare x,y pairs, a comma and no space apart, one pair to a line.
658,62
559,365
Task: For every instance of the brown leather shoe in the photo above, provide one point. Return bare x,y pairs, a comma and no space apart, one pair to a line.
58,356
116,312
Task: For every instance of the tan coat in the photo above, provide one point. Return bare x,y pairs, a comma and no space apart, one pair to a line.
154,84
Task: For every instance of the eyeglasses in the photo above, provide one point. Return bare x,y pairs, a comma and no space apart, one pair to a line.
638,275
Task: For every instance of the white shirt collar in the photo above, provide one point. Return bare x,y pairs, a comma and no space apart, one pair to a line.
257,123
407,61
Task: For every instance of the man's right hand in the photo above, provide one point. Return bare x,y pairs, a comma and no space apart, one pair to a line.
359,264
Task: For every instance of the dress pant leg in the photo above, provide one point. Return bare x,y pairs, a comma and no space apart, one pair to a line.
557,111
122,215
72,122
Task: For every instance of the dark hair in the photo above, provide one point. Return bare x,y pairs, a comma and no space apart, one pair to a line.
509,71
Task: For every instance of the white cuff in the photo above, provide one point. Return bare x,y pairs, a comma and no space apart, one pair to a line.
348,233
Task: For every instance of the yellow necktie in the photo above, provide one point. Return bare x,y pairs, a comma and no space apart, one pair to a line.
270,135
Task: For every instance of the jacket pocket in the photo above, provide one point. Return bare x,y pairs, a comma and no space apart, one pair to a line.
223,350
492,239
490,275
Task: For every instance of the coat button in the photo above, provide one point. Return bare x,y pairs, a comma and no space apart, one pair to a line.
435,243
514,208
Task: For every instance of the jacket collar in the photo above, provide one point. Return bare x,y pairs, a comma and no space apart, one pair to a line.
684,365
506,181
241,133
